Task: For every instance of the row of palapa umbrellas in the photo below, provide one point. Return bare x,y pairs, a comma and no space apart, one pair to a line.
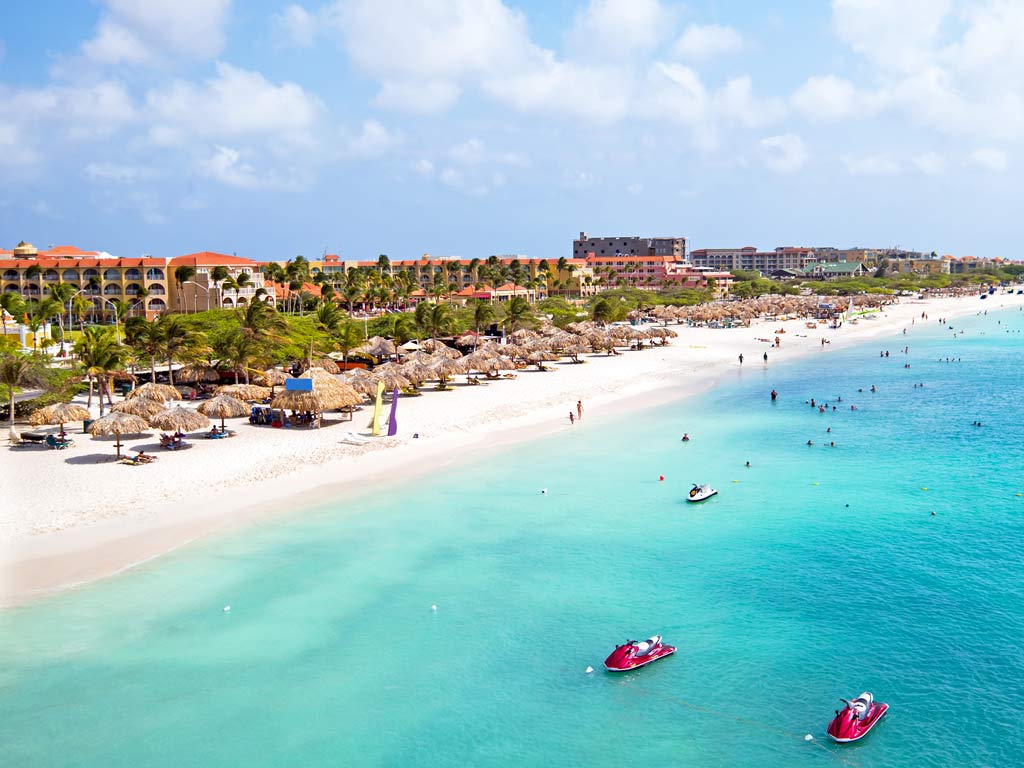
776,306
148,405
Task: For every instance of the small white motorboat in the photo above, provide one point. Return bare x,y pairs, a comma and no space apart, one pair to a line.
701,492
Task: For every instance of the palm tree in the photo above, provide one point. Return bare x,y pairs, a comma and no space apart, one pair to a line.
439,320
81,305
33,273
347,337
483,313
383,264
183,275
242,281
39,312
219,274
261,322
21,370
144,337
11,304
62,293
517,313
101,356
328,317
239,351
177,341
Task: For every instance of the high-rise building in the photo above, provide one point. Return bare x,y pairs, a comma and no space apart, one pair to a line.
672,247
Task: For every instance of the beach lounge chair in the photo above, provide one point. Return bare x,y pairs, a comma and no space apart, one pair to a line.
57,444
15,440
33,437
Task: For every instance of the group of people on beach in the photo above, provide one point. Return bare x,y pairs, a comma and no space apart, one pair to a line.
578,416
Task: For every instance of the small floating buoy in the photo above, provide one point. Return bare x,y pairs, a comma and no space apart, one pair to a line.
933,513
589,670
661,478
433,608
735,481
543,491
227,609
815,483
1016,494
808,737
924,487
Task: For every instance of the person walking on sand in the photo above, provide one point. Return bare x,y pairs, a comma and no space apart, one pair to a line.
741,358
572,419
766,358
579,410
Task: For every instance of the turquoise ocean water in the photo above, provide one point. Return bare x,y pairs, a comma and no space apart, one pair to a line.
821,573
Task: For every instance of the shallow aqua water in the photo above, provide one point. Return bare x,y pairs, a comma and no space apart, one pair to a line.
780,597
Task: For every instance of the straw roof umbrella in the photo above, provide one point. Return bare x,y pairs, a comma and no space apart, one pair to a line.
223,407
325,364
364,386
197,372
118,424
243,391
272,377
296,400
59,413
180,420
155,392
539,358
392,379
574,351
417,372
377,346
143,407
444,368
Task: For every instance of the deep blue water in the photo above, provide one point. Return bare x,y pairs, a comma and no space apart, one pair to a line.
816,573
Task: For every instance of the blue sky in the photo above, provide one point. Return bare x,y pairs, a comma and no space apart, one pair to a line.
472,127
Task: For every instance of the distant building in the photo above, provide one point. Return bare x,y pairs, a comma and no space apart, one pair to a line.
105,279
835,270
752,260
201,292
673,247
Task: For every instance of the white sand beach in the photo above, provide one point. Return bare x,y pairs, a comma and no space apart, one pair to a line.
72,516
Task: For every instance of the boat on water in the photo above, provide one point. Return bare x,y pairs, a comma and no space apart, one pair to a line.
634,654
855,721
701,492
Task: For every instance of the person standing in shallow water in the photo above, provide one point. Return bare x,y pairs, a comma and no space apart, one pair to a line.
579,410
741,358
572,419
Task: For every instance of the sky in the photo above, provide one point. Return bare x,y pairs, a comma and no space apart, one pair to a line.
475,127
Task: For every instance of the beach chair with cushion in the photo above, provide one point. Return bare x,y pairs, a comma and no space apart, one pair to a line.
34,437
58,444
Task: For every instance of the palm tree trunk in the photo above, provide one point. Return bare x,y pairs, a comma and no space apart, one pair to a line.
100,380
152,368
11,404
170,371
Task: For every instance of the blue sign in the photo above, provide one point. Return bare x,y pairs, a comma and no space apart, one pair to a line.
298,385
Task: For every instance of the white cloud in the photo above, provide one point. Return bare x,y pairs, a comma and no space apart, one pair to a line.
619,26
595,93
295,26
785,153
13,148
226,166
418,96
871,165
423,166
895,35
702,42
132,32
989,160
930,163
372,140
116,172
827,98
635,189
236,102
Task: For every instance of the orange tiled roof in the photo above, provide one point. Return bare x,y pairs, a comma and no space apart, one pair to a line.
67,250
211,259
80,263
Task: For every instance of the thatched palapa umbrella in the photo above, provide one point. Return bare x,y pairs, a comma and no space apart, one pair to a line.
377,346
297,400
243,391
180,419
197,372
155,392
444,368
223,407
272,377
60,413
143,407
118,424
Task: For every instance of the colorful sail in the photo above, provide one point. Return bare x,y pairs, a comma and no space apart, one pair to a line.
377,407
392,421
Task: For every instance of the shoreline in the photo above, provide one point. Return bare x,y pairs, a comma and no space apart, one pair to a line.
48,555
